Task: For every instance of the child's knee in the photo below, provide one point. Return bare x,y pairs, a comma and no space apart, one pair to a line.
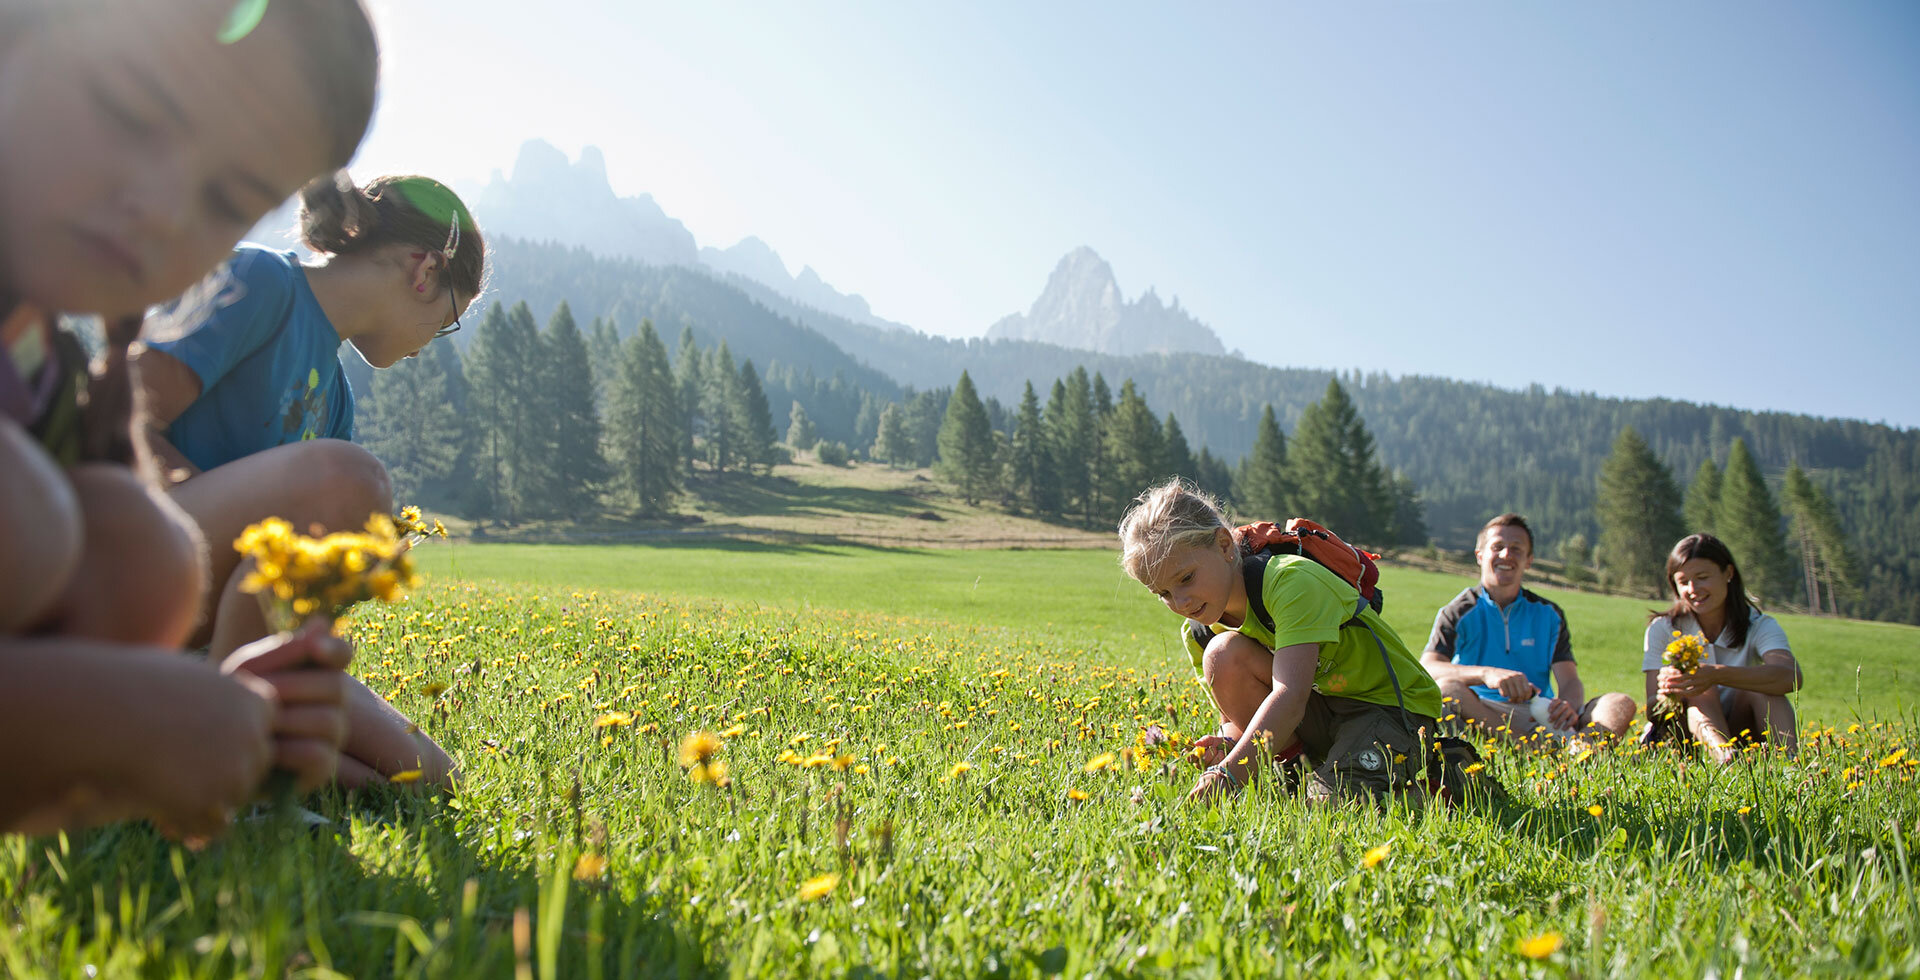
41,527
1231,658
143,566
353,481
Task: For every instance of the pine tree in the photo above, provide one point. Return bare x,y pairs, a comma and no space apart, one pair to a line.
1212,474
752,420
866,423
1260,487
1099,479
1703,499
1077,432
1749,523
1031,477
574,437
1176,457
1826,556
1638,508
718,406
643,423
925,413
1134,450
499,368
801,434
603,347
1409,524
418,435
690,384
892,444
534,461
1333,475
966,443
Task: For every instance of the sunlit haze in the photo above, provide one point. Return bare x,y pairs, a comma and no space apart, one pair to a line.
1716,201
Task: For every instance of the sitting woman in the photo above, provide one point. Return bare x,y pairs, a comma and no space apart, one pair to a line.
1742,683
251,412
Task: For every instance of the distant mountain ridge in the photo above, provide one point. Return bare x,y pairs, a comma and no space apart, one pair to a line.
1082,308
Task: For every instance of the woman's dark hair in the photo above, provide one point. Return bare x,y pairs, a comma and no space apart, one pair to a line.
340,56
338,218
1739,607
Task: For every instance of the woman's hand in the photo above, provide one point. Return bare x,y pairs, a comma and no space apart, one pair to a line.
1678,684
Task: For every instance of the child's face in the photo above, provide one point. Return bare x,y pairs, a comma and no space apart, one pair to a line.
1196,581
135,150
414,316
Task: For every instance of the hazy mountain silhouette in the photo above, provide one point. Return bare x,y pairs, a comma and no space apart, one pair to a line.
1082,308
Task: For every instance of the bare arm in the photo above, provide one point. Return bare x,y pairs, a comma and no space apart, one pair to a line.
1512,684
1279,715
1566,677
1778,673
168,388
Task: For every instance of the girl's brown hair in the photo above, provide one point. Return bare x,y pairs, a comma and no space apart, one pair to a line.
1173,515
338,218
1738,606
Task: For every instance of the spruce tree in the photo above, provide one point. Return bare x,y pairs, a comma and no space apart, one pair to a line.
1333,477
1078,433
892,444
1749,523
578,468
866,422
418,432
1134,450
925,413
752,419
718,406
1212,474
643,423
1703,499
1638,508
690,384
534,460
497,368
1176,457
1260,487
1099,479
603,348
1409,525
966,446
1826,556
1031,477
801,434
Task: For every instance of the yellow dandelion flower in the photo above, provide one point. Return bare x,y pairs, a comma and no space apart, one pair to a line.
697,748
959,769
1596,809
1375,855
434,689
734,732
589,867
712,773
408,776
1894,759
1540,947
841,762
613,719
816,888
1476,767
1076,795
1102,761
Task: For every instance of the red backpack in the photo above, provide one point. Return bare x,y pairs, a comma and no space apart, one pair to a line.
1304,537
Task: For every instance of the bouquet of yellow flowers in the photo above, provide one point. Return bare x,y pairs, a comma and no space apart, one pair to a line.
299,577
1684,654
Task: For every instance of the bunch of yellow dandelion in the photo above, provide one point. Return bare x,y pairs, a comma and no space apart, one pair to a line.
697,753
1684,654
413,526
299,577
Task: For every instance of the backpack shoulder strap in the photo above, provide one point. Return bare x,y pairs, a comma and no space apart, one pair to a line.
1253,568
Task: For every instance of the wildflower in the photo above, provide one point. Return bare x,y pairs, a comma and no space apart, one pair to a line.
589,867
1540,947
814,889
959,769
1076,795
613,719
1894,759
434,689
1684,654
1476,767
735,732
1099,762
713,773
1743,811
1375,855
407,776
697,748
1596,809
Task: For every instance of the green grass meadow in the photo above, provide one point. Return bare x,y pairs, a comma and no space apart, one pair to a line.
936,766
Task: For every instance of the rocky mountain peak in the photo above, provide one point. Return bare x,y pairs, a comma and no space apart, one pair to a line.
1083,308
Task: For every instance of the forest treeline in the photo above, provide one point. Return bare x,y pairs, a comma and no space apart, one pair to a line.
1470,450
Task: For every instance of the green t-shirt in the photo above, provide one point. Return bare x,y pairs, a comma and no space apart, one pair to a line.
1307,603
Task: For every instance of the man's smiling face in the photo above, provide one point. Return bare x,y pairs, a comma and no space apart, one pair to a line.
1504,556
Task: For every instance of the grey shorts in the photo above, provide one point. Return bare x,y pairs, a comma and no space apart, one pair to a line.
1360,747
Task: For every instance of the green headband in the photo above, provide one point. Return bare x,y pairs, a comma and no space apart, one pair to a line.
241,20
435,200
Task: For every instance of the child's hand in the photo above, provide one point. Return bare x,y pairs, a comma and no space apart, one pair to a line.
1209,750
1213,785
306,673
200,751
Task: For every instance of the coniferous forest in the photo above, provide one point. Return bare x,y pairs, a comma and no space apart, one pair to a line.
597,385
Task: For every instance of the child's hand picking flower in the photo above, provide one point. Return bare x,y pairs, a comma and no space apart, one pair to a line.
306,672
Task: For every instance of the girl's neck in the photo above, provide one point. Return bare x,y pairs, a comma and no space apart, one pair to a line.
345,289
1711,623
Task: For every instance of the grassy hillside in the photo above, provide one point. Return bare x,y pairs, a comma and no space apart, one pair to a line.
1081,597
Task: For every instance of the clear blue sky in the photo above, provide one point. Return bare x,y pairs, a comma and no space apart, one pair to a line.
1715,201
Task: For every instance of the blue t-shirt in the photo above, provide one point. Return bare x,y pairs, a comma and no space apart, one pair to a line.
1529,636
268,360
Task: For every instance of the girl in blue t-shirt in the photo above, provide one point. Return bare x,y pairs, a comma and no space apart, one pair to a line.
250,408
128,168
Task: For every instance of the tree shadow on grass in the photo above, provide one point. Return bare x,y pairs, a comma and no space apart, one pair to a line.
280,896
783,497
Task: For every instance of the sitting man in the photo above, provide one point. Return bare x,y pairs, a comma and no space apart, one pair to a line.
1497,647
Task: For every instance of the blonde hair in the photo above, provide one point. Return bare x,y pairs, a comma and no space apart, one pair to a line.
1175,514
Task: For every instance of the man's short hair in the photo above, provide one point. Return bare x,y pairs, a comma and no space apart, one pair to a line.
1504,520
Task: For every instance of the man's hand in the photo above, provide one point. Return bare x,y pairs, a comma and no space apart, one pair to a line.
1677,684
1563,713
1512,684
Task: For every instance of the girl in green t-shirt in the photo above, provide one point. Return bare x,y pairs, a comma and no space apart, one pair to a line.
1329,680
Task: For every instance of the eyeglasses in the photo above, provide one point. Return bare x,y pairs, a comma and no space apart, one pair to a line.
453,301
